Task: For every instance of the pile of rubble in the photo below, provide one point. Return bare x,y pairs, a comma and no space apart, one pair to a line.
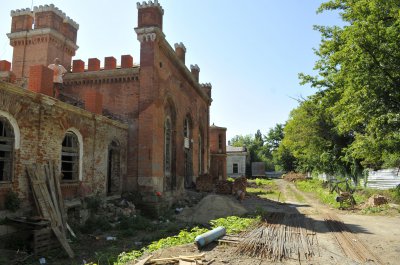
293,176
205,183
113,210
212,207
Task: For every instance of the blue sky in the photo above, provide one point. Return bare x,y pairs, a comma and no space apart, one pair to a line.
250,51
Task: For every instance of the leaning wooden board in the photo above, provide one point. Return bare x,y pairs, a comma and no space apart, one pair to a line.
47,204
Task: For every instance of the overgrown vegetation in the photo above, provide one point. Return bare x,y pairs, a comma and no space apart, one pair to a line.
266,189
361,195
232,224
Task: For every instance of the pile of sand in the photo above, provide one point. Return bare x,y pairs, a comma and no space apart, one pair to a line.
212,207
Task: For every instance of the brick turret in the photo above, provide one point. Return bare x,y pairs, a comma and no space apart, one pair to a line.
53,36
180,51
150,14
195,69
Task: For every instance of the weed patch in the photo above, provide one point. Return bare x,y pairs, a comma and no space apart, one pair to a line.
233,224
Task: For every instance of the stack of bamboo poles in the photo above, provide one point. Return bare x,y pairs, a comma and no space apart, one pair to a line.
281,236
48,199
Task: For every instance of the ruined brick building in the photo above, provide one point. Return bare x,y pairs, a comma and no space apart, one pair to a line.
121,127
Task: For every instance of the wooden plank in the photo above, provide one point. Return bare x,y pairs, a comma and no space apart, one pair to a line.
184,262
49,172
143,261
57,178
63,240
46,206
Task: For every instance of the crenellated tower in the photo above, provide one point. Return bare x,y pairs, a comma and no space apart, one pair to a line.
39,36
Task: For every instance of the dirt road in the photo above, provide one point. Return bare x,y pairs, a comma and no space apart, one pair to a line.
343,237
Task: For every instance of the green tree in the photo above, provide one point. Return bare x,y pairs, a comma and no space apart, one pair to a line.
255,146
359,79
274,137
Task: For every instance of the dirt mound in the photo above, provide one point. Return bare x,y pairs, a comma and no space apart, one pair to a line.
212,207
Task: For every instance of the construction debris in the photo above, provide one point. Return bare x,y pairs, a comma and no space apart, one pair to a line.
181,260
281,236
212,207
293,176
48,199
210,236
377,200
223,187
205,183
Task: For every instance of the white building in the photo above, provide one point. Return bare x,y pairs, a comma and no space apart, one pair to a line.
236,161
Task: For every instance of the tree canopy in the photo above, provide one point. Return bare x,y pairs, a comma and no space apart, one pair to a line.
353,119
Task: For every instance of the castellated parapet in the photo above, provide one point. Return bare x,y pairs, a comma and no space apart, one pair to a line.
180,45
52,8
45,8
150,3
194,67
46,30
21,12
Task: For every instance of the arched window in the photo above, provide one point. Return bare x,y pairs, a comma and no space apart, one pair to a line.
167,146
186,128
70,157
114,168
6,149
188,165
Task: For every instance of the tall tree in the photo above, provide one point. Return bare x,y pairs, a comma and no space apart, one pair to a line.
359,78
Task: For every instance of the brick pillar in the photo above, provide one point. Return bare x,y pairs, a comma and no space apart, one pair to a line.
180,51
195,71
41,80
126,61
94,102
94,64
5,66
78,66
110,63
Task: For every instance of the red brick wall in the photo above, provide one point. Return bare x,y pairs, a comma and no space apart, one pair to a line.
43,122
41,80
162,79
5,65
217,140
120,91
218,152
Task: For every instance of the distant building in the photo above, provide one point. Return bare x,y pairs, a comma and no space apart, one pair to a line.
218,152
236,161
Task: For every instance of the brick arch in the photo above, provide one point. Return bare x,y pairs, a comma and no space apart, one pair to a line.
14,124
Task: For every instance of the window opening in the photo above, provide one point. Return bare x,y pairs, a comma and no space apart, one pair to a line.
70,157
6,149
235,168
